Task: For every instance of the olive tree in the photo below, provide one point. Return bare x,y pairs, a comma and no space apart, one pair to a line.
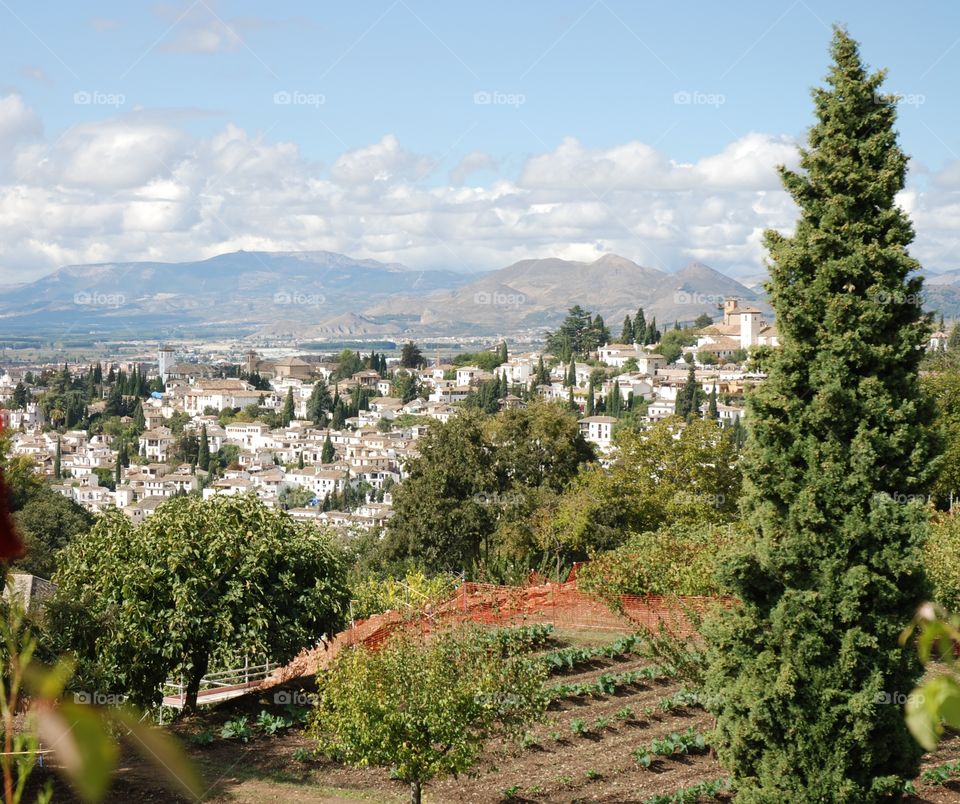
198,582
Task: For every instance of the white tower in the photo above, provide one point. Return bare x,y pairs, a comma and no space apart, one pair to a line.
165,362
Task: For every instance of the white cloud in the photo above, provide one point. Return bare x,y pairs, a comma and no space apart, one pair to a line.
135,187
473,162
382,162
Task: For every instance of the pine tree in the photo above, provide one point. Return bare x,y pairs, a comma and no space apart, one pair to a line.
626,334
56,462
327,454
203,450
839,438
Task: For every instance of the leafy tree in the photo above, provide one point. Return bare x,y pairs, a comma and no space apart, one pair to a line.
839,456
680,558
944,387
672,343
198,582
48,522
439,510
425,708
703,320
405,386
669,473
411,357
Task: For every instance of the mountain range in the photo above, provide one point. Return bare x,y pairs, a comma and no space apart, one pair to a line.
326,296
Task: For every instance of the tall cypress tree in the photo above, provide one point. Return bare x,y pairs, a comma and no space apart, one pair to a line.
839,437
327,454
626,334
288,409
56,462
640,327
203,450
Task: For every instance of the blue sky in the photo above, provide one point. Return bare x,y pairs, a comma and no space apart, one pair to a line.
301,85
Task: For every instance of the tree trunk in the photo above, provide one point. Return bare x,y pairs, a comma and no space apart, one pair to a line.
200,664
414,792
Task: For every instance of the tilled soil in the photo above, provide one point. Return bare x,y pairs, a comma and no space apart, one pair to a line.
557,765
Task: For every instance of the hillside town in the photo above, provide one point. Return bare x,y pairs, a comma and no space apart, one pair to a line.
276,427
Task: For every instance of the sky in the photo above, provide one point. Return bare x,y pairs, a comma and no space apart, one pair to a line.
442,134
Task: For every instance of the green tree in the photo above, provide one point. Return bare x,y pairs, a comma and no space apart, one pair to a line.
288,413
838,461
626,334
703,321
504,355
56,462
319,403
199,581
690,396
440,513
139,422
712,411
48,522
203,449
21,396
327,454
425,708
672,472
411,357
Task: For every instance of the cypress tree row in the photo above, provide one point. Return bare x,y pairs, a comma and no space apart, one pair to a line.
802,672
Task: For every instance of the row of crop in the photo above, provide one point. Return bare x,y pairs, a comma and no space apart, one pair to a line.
685,742
522,638
565,659
692,794
607,683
